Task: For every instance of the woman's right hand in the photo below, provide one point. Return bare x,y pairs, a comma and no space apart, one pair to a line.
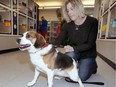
68,48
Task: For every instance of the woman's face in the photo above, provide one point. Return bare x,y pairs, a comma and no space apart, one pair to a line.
71,12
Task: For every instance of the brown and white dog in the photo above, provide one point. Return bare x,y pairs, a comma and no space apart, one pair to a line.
47,59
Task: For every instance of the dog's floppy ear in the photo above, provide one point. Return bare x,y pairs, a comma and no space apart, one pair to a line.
40,41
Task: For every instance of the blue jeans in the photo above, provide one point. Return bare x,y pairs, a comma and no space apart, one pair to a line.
86,66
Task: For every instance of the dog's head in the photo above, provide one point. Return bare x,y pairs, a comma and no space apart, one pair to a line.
30,39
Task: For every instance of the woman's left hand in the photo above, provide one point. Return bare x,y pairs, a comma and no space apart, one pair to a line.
68,48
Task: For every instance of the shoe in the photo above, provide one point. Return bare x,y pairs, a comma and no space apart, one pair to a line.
67,79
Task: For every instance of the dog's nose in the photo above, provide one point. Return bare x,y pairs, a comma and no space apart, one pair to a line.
18,40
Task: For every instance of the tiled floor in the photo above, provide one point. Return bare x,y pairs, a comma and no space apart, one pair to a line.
16,71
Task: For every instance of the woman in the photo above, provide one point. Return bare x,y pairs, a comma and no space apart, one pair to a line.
58,29
81,31
43,26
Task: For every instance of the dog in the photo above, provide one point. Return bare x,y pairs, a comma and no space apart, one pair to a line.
47,59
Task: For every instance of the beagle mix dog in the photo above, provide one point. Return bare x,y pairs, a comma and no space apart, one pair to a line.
47,59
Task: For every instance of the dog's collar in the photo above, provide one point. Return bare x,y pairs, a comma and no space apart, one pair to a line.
45,45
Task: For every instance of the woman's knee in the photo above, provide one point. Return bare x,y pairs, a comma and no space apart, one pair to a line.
86,68
84,77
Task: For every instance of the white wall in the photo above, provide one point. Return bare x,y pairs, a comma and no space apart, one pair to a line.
49,14
8,42
89,11
107,48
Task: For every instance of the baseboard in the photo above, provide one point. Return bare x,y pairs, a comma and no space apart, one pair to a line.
8,50
109,62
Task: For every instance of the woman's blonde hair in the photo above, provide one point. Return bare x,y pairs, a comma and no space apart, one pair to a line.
78,6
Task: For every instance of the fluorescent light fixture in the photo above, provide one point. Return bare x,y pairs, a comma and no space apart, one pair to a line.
50,7
49,3
88,2
88,6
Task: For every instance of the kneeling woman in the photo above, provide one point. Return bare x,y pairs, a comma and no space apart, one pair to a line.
81,31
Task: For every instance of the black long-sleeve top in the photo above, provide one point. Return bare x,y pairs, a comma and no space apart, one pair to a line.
82,40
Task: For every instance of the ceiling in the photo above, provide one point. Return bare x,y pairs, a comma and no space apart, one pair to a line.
59,3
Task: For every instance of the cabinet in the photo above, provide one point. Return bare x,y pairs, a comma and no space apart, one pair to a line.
54,25
51,35
18,16
107,20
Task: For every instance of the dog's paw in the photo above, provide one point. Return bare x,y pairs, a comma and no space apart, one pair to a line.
82,86
30,84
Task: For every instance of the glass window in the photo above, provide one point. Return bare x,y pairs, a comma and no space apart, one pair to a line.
30,24
112,29
5,20
22,24
22,6
113,1
106,4
5,2
31,8
35,25
104,26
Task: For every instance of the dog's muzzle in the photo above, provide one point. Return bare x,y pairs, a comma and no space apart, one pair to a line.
22,46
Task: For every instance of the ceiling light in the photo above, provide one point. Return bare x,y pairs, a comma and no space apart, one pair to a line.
88,2
88,6
50,7
53,3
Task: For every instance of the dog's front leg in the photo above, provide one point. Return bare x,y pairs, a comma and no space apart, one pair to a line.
50,76
35,78
80,82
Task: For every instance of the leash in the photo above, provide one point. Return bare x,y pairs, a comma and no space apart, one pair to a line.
94,83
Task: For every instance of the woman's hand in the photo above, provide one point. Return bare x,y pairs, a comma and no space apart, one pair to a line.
68,48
